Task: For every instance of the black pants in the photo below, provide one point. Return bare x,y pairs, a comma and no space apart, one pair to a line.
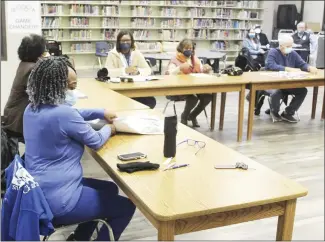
149,101
298,99
191,100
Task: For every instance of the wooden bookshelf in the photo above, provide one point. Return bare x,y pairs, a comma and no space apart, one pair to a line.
218,25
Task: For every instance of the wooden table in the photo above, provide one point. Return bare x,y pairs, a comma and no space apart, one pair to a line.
199,197
263,82
187,84
102,97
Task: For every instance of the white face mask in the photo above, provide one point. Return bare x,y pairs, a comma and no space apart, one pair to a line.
70,97
257,31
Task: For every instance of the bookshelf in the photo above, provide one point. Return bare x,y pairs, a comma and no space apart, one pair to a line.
217,25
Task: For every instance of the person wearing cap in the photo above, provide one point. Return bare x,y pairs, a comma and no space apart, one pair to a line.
302,40
261,36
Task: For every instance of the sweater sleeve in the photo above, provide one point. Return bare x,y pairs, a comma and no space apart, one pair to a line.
74,125
112,69
91,114
142,65
247,45
271,63
299,62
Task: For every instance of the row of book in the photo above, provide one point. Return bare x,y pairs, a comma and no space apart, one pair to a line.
110,34
149,46
143,22
217,23
82,47
111,10
141,11
174,23
51,9
111,2
225,34
84,9
79,22
53,34
80,34
111,22
168,12
224,45
48,22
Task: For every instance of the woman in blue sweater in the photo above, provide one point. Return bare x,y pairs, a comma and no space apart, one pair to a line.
55,136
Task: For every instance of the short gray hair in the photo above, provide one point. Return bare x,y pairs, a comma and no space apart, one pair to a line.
301,24
285,39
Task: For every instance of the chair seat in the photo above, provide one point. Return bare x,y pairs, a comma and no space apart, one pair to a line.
101,54
176,98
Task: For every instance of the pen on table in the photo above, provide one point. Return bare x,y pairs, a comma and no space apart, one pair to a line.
179,166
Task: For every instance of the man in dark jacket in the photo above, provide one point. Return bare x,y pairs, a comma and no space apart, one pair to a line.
31,48
302,39
286,59
261,36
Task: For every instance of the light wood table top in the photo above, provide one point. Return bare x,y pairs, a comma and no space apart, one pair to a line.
199,188
100,96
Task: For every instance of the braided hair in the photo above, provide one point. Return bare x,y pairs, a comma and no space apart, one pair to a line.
48,81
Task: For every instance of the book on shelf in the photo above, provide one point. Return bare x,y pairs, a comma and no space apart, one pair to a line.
141,34
144,2
153,46
79,22
197,12
173,23
51,9
143,22
51,22
168,34
81,47
111,10
80,34
168,12
110,22
53,34
141,11
110,34
199,34
173,2
84,9
111,2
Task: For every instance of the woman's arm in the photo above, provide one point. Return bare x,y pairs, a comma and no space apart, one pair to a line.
142,65
75,127
91,114
113,70
248,45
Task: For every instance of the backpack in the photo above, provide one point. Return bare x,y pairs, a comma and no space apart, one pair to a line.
245,61
9,148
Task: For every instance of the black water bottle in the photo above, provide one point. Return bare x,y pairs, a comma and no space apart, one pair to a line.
170,131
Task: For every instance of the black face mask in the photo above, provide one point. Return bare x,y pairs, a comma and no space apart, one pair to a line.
125,46
187,53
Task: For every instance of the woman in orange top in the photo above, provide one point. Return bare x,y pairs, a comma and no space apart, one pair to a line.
185,62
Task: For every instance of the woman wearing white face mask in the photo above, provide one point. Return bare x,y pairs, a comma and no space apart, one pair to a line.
254,46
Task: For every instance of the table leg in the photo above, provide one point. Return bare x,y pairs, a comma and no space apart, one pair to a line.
285,222
323,111
241,104
166,231
216,65
160,67
313,107
213,110
222,110
251,111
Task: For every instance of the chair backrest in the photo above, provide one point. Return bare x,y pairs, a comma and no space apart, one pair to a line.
203,60
151,61
102,48
245,61
320,52
283,32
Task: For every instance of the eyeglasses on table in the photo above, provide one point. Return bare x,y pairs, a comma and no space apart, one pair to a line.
192,142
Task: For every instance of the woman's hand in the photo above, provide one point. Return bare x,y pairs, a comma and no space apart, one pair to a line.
132,70
290,69
185,68
262,51
113,129
207,68
313,70
109,116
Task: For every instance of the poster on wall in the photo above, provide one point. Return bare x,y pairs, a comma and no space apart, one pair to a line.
24,16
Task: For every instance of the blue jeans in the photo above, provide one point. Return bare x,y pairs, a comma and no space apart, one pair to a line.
98,200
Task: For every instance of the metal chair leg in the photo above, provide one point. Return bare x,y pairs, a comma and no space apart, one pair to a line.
206,116
99,62
166,106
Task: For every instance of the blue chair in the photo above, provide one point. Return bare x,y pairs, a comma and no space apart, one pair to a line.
101,51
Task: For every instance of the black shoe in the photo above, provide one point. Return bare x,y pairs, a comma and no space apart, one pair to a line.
275,116
288,118
195,123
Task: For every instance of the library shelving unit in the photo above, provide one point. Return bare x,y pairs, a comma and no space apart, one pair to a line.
218,25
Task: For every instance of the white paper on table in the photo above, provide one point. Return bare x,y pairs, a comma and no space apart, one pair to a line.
115,80
137,124
79,94
143,78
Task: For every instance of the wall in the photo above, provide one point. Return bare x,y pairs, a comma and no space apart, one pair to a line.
313,12
8,68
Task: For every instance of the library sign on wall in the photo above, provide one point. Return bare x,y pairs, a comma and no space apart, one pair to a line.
24,16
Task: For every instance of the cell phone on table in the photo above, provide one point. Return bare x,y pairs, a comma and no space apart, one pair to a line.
131,156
